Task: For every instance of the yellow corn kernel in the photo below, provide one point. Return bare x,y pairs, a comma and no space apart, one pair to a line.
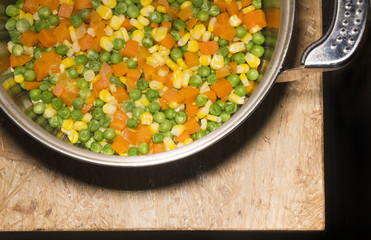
79,68
178,78
49,111
228,1
235,98
144,101
80,125
163,51
116,22
156,85
243,68
109,3
143,20
169,143
205,60
136,23
234,21
106,43
76,47
145,3
154,48
19,78
186,77
91,32
183,40
105,95
28,50
239,5
138,36
124,33
198,30
159,33
68,62
186,4
146,118
247,38
248,9
203,124
21,14
206,36
104,12
193,46
236,47
73,35
217,62
29,18
181,63
162,72
147,10
159,58
73,136
89,75
188,141
67,124
87,117
154,128
70,2
177,130
109,109
172,65
161,9
123,79
204,87
255,29
252,60
213,118
202,112
244,80
210,27
174,105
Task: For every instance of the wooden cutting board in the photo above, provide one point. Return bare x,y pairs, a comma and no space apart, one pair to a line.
266,175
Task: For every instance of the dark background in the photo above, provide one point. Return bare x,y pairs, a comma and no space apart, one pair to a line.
347,128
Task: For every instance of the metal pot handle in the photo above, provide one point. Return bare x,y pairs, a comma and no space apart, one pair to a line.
336,47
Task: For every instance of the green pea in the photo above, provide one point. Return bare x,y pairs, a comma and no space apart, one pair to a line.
137,112
198,135
184,48
227,60
115,80
195,81
57,103
72,72
118,43
143,148
44,86
43,24
96,147
92,55
133,11
44,13
257,4
12,11
135,94
215,109
180,1
222,42
105,122
175,4
132,123
180,117
15,36
147,31
19,4
234,79
230,107
80,59
179,24
85,13
241,31
176,53
257,50
93,125
29,65
133,151
223,51
147,42
95,66
129,105
159,117
249,46
155,17
78,103
109,134
64,113
129,2
258,38
225,116
252,74
39,108
55,121
142,84
170,113
53,79
240,90
35,94
201,100
197,3
10,24
95,3
19,70
53,20
29,75
202,15
108,150
152,95
98,136
76,115
62,50
239,58
116,58
82,83
121,8
131,63
17,50
211,78
105,56
157,137
176,35
214,11
22,25
211,126
154,107
37,53
98,103
170,1
165,126
204,71
85,93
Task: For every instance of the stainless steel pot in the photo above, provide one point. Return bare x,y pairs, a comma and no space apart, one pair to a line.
332,51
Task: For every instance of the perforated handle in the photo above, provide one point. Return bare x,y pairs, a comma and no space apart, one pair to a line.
339,44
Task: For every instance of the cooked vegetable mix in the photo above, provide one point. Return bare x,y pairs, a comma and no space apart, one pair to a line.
136,77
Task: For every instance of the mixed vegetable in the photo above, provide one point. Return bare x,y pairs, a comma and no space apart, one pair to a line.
133,77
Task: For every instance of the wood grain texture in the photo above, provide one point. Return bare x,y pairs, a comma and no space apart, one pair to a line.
266,175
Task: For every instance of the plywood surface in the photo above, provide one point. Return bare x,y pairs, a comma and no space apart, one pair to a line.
266,175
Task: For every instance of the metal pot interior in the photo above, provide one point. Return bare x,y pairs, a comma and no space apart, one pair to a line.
17,105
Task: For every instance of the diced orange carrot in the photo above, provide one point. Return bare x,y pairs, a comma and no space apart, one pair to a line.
245,3
47,38
168,41
191,109
249,87
170,95
120,69
98,29
86,42
222,88
229,33
131,49
153,25
86,108
130,136
255,18
94,17
169,80
90,99
31,6
191,23
105,70
82,4
192,125
222,22
233,66
221,4
156,148
41,69
130,84
19,61
134,74
101,83
29,38
223,72
120,145
31,85
58,90
191,59
163,3
51,4
51,57
143,134
208,48
143,53
189,94
65,10
62,32
167,25
210,95
183,136
68,97
185,14
119,120
126,24
163,104
172,12
232,8
120,95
